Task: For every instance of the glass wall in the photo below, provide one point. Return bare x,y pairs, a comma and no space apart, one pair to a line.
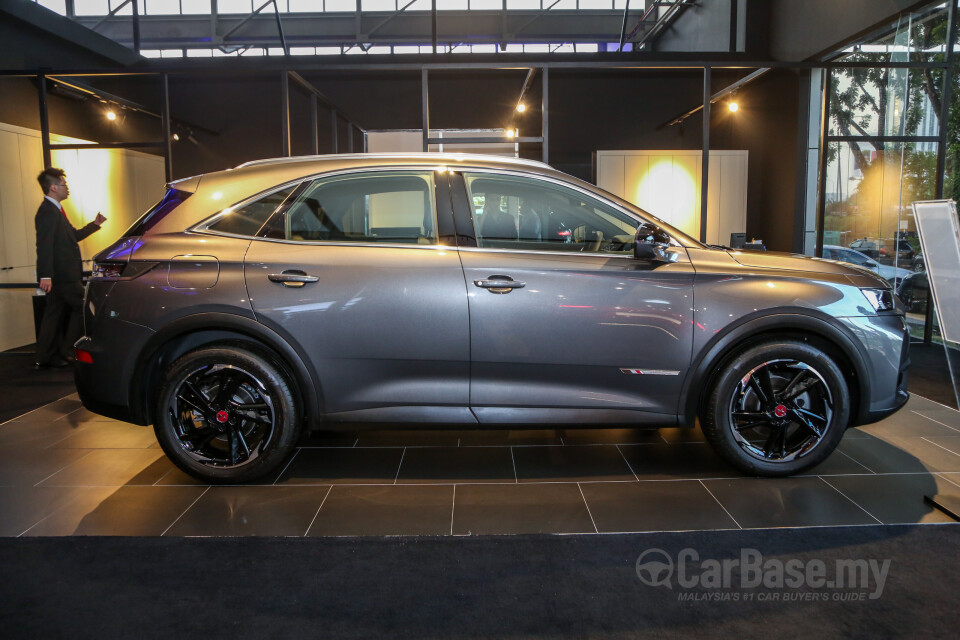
882,146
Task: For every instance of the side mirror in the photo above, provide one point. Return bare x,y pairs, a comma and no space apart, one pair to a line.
650,243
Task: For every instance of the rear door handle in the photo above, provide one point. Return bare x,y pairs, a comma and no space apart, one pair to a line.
499,284
292,278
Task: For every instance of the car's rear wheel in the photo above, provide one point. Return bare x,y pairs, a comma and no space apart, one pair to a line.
226,415
777,408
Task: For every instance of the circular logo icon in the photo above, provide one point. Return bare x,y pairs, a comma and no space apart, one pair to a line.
222,416
655,568
780,411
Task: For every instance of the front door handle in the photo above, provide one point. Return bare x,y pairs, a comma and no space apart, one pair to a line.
499,284
292,278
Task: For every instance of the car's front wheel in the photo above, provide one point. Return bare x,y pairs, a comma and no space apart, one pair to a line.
777,408
226,415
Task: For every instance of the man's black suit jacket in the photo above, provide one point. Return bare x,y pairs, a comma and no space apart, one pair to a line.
58,254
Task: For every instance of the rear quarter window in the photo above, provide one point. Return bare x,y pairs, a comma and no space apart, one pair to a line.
171,200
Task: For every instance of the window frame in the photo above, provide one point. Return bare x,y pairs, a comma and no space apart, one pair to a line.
439,187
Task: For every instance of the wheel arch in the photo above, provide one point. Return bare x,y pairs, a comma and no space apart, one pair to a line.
817,328
198,330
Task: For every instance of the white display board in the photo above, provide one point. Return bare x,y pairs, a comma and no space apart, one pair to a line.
939,232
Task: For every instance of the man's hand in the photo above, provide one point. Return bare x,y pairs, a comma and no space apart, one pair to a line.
46,284
99,220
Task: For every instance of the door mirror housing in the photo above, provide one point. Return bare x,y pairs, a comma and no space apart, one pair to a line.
651,243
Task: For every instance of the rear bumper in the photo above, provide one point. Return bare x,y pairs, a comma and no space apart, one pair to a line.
105,385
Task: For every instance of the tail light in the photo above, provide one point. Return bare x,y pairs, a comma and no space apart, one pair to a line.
107,270
83,356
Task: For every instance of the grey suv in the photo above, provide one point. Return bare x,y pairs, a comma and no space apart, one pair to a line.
301,293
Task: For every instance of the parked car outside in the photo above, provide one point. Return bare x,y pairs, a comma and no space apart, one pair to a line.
889,273
898,252
302,293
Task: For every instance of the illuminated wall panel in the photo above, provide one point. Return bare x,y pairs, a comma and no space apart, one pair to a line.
668,184
118,182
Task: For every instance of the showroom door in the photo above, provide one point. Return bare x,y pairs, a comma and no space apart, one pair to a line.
354,274
565,323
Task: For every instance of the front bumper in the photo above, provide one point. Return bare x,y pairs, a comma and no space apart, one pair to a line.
886,345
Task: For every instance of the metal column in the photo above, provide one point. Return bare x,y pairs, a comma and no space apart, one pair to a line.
705,159
165,123
44,120
285,112
544,105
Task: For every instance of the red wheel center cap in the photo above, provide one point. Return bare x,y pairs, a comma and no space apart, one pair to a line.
223,416
779,411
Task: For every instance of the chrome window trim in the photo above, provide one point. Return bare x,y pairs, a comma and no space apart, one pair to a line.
369,245
681,252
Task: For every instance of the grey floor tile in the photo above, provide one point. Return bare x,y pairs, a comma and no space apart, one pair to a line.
20,467
610,436
950,443
343,466
676,461
408,438
251,511
837,464
665,505
23,507
905,424
456,464
520,508
52,411
944,415
400,510
106,467
588,463
329,439
118,511
786,502
895,499
900,455
108,435
680,435
35,435
487,437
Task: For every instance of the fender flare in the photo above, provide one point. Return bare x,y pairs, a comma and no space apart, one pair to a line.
809,321
229,325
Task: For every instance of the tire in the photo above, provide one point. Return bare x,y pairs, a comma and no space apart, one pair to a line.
226,415
793,431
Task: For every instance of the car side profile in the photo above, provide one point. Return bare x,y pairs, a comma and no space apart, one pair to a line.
296,294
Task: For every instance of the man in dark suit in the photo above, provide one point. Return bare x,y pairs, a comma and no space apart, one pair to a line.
59,269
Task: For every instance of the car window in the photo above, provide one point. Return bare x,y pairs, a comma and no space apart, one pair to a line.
390,207
247,219
524,213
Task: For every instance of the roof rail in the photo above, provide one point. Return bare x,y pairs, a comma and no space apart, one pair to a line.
433,157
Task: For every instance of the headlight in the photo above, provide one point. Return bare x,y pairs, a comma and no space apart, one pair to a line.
879,299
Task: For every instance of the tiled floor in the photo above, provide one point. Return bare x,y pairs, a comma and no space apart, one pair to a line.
66,471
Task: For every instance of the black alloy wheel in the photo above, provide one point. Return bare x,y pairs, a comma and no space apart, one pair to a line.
225,415
777,409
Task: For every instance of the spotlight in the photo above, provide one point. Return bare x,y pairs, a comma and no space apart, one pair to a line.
521,107
511,133
733,106
111,115
176,137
